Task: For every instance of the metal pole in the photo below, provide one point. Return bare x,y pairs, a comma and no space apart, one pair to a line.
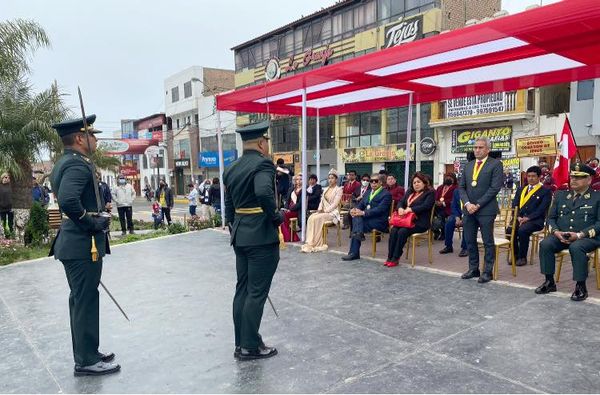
304,167
408,137
418,138
318,148
221,168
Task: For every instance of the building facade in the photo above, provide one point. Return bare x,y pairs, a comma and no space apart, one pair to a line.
190,104
365,142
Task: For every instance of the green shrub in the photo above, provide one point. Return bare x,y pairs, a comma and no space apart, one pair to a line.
176,228
37,227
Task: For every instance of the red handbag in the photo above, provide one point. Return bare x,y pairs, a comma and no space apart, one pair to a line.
403,221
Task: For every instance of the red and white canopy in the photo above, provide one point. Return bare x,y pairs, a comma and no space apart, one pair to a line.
543,46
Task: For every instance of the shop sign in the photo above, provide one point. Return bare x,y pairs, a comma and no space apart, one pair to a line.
476,105
125,146
182,163
427,146
211,158
287,158
511,164
536,146
128,171
386,153
500,137
309,57
272,70
404,31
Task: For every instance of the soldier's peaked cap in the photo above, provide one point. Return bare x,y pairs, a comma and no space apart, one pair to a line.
254,131
581,170
70,126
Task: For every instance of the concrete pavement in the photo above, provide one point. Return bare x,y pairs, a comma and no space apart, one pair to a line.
344,327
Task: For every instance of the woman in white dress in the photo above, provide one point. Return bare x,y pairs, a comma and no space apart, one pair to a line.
328,211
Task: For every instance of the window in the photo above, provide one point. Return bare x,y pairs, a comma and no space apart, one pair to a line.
326,30
397,119
284,135
336,21
326,133
177,122
174,94
286,47
187,89
348,23
228,141
585,90
181,148
363,129
209,143
195,119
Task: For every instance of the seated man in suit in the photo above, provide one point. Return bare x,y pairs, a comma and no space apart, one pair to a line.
533,202
371,213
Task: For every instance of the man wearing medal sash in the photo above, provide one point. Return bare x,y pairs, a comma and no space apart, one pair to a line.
371,213
533,201
481,181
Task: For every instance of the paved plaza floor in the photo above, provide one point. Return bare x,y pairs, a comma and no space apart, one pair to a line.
344,327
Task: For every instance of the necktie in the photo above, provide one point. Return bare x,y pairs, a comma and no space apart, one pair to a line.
530,188
479,162
576,197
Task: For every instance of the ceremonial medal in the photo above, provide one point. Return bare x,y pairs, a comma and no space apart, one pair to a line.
368,206
474,183
441,199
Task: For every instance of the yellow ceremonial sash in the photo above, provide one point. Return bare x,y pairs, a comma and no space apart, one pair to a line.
477,170
525,196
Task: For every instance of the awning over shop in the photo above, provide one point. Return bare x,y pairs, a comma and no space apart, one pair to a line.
543,46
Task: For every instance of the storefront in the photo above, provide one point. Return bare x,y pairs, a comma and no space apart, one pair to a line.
181,165
208,162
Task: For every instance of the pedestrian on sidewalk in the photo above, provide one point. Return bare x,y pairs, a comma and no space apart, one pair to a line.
253,221
193,199
215,195
81,243
123,196
164,194
6,213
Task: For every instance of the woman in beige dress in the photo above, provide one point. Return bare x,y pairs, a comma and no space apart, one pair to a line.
328,211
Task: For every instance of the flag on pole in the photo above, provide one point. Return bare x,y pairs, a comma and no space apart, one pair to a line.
567,150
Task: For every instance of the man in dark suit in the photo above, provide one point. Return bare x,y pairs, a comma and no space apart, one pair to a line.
371,213
481,181
252,216
81,243
313,193
533,202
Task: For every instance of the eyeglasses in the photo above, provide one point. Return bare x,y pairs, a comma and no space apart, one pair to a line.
374,181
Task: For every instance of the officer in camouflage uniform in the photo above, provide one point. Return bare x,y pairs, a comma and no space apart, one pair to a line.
253,220
573,223
81,233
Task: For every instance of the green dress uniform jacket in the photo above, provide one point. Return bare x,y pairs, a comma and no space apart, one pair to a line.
568,214
73,185
251,213
250,183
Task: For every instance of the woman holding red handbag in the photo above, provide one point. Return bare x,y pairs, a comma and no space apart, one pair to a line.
413,216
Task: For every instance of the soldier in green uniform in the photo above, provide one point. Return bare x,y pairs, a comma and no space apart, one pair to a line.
573,223
81,243
253,220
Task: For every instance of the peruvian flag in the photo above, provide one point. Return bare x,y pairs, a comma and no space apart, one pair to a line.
568,150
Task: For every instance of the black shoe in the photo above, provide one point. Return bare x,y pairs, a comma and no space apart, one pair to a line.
236,352
463,253
123,233
485,277
470,274
546,287
521,262
259,353
131,232
97,369
446,250
107,357
580,293
350,257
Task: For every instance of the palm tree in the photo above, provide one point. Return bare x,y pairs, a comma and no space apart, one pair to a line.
105,161
25,132
18,40
25,117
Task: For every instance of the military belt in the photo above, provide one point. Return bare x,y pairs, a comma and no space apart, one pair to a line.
249,210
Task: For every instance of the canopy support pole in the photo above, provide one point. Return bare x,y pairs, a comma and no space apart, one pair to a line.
318,150
304,167
221,168
408,138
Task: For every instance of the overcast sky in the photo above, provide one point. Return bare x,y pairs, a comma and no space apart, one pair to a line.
120,51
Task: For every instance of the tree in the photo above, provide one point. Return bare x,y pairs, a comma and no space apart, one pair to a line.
25,117
105,161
